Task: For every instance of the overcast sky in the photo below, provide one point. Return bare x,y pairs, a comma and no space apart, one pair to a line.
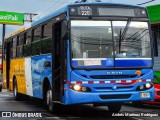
43,7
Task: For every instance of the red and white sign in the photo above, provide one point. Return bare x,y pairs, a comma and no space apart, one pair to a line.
92,62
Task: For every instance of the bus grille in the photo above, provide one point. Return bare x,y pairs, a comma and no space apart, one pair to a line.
111,88
112,76
122,96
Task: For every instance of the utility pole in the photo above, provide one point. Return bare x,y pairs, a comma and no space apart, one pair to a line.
3,35
30,16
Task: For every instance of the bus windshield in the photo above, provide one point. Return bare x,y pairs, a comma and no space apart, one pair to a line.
92,40
132,41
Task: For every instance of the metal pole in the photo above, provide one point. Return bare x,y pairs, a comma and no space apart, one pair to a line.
3,35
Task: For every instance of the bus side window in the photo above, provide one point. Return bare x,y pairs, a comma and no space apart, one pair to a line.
36,44
14,47
46,38
11,46
20,46
27,43
28,37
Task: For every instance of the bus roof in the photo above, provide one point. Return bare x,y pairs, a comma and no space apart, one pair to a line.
64,9
105,3
15,32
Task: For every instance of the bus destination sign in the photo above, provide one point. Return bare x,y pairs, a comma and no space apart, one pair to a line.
107,11
85,10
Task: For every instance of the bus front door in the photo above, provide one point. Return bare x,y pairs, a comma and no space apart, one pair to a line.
57,63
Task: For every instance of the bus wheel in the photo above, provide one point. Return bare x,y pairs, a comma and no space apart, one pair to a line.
114,108
15,91
50,104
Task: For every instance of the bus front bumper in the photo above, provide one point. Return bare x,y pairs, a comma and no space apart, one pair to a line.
74,97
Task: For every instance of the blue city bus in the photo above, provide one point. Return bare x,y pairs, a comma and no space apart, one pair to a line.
85,53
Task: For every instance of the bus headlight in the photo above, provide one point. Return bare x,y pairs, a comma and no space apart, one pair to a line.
77,87
148,85
84,89
80,88
144,87
141,87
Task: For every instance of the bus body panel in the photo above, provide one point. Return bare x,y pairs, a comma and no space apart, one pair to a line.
17,70
28,76
39,73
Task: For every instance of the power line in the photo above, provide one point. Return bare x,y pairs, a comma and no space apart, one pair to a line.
146,2
59,5
54,4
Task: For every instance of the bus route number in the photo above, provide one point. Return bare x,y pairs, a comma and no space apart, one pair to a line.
85,10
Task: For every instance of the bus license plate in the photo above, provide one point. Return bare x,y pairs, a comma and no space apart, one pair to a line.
145,95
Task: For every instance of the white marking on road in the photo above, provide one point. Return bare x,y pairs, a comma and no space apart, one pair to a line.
136,118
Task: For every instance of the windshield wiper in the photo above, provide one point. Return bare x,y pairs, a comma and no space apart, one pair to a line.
120,39
136,34
122,35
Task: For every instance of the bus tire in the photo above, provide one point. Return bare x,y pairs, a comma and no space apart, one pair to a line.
17,96
52,107
114,108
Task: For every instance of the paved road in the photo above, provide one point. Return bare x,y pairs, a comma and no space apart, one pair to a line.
78,112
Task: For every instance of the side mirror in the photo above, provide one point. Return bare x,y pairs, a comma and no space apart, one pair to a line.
47,64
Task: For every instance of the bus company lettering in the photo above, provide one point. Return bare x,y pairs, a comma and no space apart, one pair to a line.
27,114
9,17
113,72
34,115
